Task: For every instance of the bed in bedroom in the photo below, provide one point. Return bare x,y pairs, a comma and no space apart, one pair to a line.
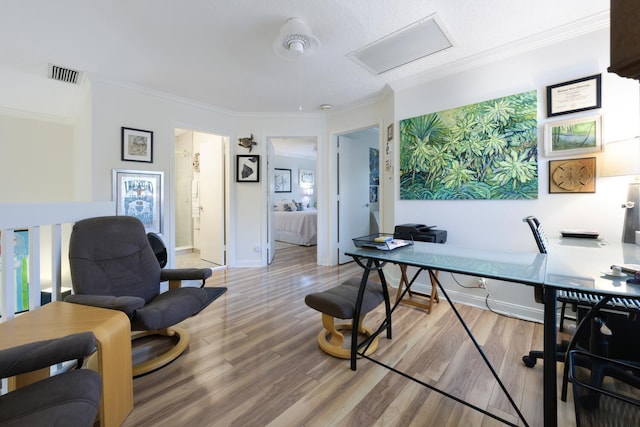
298,227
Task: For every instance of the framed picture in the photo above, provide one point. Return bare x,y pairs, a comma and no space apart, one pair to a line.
572,176
140,194
577,95
575,136
306,178
247,168
137,145
282,180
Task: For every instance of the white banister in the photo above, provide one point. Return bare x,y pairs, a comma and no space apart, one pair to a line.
32,216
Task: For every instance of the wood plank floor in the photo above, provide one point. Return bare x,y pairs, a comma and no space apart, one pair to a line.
254,361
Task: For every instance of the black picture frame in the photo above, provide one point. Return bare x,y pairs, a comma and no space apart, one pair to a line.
137,145
282,180
574,96
247,168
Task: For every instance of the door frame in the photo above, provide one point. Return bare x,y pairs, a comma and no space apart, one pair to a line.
170,201
334,199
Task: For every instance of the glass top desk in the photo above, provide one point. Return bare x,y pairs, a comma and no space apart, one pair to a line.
573,264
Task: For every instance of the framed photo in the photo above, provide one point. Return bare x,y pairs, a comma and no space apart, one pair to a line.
306,178
282,180
247,168
140,194
575,136
577,95
137,145
572,176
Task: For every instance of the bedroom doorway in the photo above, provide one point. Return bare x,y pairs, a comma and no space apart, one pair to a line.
292,218
200,194
358,182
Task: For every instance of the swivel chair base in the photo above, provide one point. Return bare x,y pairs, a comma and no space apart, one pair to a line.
165,358
330,339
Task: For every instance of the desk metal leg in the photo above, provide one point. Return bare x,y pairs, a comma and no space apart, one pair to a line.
434,280
550,391
355,324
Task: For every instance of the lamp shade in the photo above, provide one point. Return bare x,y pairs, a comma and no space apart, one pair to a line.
621,158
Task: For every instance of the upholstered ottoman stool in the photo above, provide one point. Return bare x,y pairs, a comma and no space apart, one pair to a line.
339,302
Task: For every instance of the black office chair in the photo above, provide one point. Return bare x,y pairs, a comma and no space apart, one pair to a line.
606,392
587,307
541,241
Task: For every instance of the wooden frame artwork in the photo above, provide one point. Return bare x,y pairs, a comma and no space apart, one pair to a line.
574,96
572,175
282,180
137,145
247,168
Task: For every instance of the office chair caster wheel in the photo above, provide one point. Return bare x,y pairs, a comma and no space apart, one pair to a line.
529,361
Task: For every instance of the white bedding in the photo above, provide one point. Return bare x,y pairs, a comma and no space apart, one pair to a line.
297,227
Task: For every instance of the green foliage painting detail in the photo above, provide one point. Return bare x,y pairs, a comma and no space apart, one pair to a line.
487,150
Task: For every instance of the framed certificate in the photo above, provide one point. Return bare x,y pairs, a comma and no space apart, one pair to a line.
573,96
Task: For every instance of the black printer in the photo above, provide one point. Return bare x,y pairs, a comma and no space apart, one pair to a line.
420,233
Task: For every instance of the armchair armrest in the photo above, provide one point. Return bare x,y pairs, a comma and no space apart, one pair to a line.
41,354
128,304
179,274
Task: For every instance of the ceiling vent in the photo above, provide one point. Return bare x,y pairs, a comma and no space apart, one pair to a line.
66,75
418,40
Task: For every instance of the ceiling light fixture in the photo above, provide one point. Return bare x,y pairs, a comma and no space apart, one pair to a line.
295,40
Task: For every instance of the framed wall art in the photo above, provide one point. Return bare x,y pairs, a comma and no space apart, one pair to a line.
306,178
282,180
574,136
572,176
140,194
137,145
574,96
247,168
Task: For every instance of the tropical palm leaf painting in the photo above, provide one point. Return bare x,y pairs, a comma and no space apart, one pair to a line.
487,150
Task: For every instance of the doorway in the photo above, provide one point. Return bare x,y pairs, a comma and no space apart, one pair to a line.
358,184
292,163
200,194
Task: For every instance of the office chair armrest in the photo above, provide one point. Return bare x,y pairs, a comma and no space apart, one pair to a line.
41,354
128,304
177,274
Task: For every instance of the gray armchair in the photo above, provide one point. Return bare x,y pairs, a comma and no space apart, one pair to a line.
114,266
68,399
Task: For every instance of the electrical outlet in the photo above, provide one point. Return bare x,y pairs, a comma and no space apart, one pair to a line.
482,282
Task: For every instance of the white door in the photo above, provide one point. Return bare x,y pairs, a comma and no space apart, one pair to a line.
212,200
353,193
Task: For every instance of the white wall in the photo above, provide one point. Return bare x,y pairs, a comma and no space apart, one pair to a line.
497,224
295,164
37,160
115,106
252,200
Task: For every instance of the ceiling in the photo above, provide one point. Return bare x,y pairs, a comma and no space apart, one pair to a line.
219,52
